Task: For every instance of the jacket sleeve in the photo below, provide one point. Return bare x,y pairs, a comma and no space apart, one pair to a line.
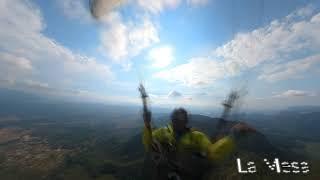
147,138
215,152
221,149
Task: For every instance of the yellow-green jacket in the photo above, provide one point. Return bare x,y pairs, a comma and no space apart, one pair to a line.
194,141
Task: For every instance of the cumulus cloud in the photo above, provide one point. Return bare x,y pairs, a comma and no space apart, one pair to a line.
36,84
15,62
122,41
283,49
176,99
290,70
161,56
302,12
26,53
75,10
279,42
295,93
174,94
197,72
159,5
13,67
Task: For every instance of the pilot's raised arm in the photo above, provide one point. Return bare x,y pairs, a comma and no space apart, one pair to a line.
147,130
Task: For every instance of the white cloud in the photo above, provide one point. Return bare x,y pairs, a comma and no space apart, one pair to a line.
197,72
115,41
302,12
290,70
282,41
175,99
143,36
123,41
174,94
284,49
75,9
158,5
17,15
36,84
295,93
13,67
161,56
197,2
23,48
181,101
13,62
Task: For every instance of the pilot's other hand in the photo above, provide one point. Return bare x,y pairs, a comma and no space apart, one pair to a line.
242,129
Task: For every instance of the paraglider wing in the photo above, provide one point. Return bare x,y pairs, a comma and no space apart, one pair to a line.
99,8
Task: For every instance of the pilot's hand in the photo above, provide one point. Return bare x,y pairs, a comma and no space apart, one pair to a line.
242,129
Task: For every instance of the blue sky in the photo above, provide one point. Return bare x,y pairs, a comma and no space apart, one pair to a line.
187,52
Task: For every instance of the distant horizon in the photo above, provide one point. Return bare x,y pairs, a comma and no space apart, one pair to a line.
34,99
